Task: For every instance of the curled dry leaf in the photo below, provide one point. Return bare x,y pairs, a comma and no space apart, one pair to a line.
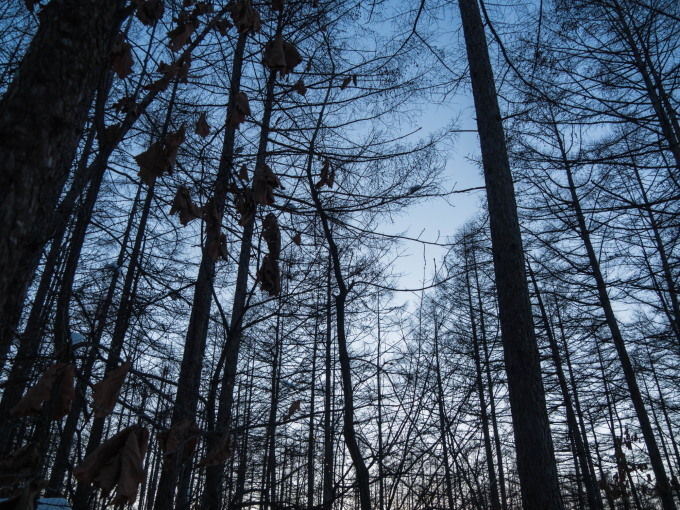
121,57
297,239
223,26
160,157
272,235
299,87
216,241
149,11
202,126
265,182
178,69
269,276
160,85
107,391
243,172
125,105
203,8
180,36
345,82
117,462
245,17
184,207
281,55
18,464
245,205
240,112
327,175
354,80
181,440
277,5
32,402
220,454
295,406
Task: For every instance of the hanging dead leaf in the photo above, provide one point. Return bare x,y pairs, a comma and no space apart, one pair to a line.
299,87
118,461
281,55
297,239
277,5
32,402
203,8
218,455
265,182
202,126
107,391
180,36
121,57
30,4
245,17
178,69
240,111
149,11
223,26
160,157
269,276
327,176
272,235
243,172
159,85
345,82
184,207
181,440
125,105
18,464
295,406
354,80
216,241
245,206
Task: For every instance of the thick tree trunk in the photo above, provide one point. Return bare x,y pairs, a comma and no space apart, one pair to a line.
535,453
41,120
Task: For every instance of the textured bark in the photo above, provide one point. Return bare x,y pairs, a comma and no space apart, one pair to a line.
41,120
535,453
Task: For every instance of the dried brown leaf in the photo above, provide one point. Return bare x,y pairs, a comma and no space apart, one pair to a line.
295,406
32,402
245,17
269,276
245,205
160,157
121,57
240,111
180,36
281,55
184,207
220,454
107,391
299,87
345,82
149,11
277,5
181,440
202,126
223,26
18,464
265,182
243,172
297,239
272,235
327,176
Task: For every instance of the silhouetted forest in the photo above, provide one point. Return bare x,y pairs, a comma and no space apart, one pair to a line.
202,297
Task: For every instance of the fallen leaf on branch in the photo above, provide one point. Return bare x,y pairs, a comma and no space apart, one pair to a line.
240,112
180,36
297,239
160,157
265,182
149,11
181,440
295,406
245,205
345,82
184,207
269,276
327,175
299,87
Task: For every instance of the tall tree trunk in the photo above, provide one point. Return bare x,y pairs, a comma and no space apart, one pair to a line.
629,372
589,477
41,120
533,442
